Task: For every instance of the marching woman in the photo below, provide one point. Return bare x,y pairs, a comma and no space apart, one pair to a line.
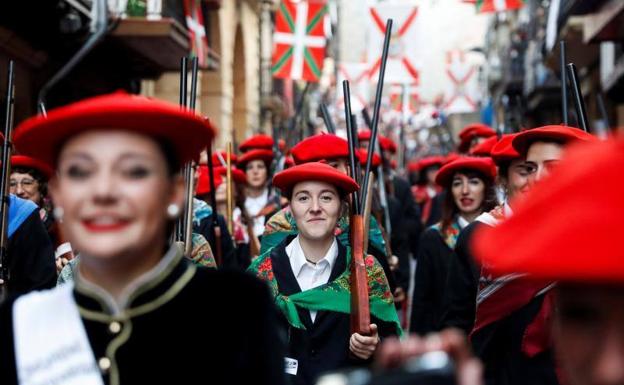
128,314
469,183
425,189
256,163
308,274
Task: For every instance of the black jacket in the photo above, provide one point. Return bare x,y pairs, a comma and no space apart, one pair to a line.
188,328
324,345
463,283
430,297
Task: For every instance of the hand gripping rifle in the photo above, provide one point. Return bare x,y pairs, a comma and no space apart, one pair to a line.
5,274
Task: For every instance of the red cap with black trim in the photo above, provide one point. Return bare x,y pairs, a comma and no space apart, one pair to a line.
484,165
260,141
567,227
313,171
320,147
42,137
559,133
28,162
256,154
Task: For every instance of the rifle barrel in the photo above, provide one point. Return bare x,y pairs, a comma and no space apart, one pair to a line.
579,103
329,124
350,138
564,84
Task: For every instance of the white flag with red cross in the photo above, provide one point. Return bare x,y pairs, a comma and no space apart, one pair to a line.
463,93
299,40
357,75
402,65
197,30
487,6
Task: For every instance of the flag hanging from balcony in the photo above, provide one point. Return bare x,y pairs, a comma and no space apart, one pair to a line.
196,30
485,6
299,40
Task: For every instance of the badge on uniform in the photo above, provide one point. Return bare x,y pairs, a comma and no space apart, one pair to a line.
290,366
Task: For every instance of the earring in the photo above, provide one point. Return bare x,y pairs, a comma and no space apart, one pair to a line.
58,213
173,210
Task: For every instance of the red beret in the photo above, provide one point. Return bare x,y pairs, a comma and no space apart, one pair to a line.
435,160
503,151
260,141
317,171
451,156
289,162
566,228
393,164
559,133
203,181
281,144
413,166
320,147
218,155
255,154
41,137
237,174
471,131
28,162
385,143
484,148
483,165
363,155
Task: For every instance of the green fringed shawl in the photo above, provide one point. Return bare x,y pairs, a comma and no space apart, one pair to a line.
282,224
450,235
332,296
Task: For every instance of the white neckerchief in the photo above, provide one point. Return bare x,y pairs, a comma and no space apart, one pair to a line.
51,344
253,207
311,275
462,222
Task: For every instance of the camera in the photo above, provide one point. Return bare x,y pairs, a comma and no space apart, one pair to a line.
432,368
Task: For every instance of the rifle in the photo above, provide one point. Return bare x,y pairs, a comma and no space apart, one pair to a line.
360,306
579,103
5,274
327,119
180,223
564,84
229,197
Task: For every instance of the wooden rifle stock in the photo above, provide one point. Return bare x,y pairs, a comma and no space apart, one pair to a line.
360,307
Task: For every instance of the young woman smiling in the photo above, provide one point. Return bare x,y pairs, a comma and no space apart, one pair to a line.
126,317
469,184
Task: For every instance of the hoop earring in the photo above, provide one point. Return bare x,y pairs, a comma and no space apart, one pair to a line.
173,211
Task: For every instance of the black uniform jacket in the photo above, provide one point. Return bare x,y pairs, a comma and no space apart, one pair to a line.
430,297
31,257
183,325
463,283
324,345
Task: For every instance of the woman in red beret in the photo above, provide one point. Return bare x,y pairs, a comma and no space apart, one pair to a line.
308,274
469,183
259,202
511,333
126,317
425,189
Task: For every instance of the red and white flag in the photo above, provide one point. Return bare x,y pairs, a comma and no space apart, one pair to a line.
299,40
407,103
402,66
485,6
197,30
463,93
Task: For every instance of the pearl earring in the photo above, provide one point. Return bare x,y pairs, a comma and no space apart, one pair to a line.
173,210
58,213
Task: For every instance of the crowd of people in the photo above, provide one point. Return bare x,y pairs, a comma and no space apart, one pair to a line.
500,254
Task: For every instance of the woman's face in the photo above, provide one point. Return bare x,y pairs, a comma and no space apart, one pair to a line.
114,190
468,193
340,164
221,193
517,182
256,172
316,208
25,187
542,158
589,333
431,174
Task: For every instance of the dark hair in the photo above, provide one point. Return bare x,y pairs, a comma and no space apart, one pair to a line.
42,181
421,180
449,207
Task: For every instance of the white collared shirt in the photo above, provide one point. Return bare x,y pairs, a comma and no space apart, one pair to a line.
309,275
253,207
462,222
